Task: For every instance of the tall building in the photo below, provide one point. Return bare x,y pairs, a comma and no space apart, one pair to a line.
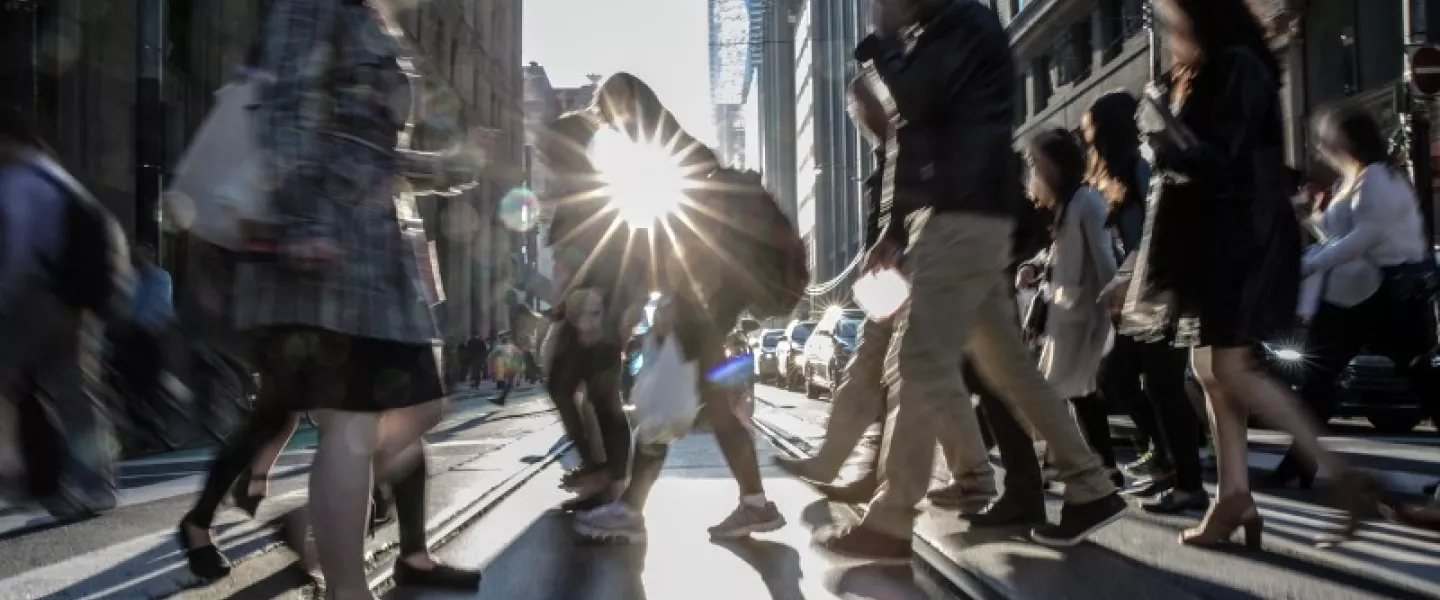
774,92
832,158
470,85
734,41
542,105
118,89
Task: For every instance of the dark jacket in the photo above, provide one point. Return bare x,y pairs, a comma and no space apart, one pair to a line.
1032,224
951,86
1221,239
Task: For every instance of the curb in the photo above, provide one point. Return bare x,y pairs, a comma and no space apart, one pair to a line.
452,524
940,568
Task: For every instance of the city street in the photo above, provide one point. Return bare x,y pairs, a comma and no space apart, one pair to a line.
1139,557
494,486
131,552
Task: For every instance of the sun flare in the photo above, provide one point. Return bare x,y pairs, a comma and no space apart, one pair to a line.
643,179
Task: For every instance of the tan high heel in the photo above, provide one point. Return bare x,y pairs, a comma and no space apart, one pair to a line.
1227,515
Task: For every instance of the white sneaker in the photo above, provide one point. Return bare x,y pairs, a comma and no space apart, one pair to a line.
613,522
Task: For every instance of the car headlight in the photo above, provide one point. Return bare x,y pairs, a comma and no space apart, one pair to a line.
1285,353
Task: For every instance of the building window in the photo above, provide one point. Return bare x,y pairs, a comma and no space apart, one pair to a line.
1082,50
1041,78
1132,18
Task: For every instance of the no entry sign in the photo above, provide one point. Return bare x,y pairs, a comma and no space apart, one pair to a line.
1425,70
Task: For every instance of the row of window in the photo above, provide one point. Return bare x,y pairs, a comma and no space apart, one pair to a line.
1084,46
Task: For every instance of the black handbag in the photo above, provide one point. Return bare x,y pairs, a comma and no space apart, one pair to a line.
1035,316
1410,282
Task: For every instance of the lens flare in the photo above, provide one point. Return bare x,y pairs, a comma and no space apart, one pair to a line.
643,180
519,209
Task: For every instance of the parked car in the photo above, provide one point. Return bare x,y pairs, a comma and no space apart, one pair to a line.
788,353
1369,387
828,349
764,346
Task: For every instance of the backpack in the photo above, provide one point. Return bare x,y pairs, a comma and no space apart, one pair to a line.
93,272
769,268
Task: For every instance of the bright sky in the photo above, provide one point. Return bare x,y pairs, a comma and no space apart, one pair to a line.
664,42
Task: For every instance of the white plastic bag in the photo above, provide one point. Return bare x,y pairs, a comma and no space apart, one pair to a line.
667,398
218,183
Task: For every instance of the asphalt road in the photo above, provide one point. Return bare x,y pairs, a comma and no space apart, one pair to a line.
1138,556
131,552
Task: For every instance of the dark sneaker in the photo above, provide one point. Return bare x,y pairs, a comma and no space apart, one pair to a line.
1149,488
1150,464
1008,512
1174,502
962,496
859,491
747,519
440,577
1078,521
864,544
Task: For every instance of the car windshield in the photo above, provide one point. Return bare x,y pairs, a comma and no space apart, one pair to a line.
770,340
847,330
802,332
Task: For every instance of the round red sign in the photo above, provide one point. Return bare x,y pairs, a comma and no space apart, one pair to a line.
1425,70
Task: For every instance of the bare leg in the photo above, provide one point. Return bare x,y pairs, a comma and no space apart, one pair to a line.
340,481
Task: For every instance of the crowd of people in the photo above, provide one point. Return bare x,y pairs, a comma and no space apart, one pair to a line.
1165,240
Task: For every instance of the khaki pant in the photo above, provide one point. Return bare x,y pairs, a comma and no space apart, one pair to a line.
861,397
960,305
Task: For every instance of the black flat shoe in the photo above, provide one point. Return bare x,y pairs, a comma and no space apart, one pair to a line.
240,494
1175,502
860,491
206,562
440,577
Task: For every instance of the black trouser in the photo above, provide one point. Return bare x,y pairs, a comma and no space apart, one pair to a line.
1094,420
1161,400
1398,330
597,368
139,359
1023,479
736,444
268,420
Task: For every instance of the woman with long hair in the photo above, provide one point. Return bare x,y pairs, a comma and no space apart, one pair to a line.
1160,408
1219,266
1371,233
1081,261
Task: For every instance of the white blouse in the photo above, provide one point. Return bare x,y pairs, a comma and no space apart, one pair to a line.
1373,222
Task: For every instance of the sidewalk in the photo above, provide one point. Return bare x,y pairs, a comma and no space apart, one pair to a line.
1139,556
181,472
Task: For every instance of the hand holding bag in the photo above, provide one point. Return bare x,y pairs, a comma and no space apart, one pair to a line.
667,394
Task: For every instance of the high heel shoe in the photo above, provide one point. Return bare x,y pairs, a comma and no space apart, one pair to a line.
244,500
1227,515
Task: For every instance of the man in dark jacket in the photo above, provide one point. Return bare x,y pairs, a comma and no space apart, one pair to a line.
946,74
860,398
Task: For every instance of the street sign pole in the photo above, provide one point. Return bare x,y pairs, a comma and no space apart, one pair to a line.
1422,69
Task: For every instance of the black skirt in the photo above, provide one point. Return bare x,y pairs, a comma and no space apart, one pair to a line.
313,369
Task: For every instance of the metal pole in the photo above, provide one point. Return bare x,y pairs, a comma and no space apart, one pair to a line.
1417,124
150,135
1153,34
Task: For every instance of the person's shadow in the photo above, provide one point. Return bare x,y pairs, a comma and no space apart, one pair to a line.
778,565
